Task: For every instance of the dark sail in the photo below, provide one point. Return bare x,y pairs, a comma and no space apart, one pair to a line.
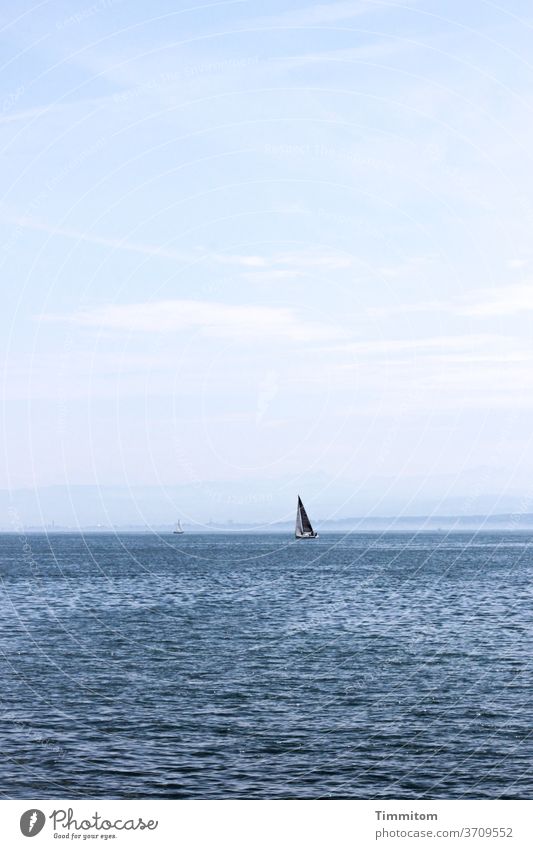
303,525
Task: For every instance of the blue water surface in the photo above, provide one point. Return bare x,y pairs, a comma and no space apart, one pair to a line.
256,666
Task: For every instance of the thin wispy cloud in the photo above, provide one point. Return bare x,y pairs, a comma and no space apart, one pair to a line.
371,52
321,14
293,260
272,275
208,318
46,110
27,114
500,301
282,265
431,344
497,303
29,223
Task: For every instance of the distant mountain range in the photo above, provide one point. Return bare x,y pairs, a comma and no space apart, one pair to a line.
505,522
264,506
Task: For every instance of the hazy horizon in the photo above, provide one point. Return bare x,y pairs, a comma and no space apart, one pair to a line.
248,254
219,503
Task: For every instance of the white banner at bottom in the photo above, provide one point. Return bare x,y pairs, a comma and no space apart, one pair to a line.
265,824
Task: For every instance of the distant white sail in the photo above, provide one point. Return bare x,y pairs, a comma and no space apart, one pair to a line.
304,528
178,529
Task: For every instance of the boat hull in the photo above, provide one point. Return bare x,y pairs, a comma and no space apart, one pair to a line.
306,536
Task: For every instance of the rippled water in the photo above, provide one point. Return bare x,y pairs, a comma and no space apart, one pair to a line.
245,666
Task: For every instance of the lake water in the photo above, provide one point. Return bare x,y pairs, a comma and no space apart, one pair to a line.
247,666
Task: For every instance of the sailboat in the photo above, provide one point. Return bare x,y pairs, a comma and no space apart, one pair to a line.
177,528
304,528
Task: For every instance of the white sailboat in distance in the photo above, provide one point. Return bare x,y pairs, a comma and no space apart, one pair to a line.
177,528
304,528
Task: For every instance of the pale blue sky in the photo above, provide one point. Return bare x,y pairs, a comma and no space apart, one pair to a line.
275,246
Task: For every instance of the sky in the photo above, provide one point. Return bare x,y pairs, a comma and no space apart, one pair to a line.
254,249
